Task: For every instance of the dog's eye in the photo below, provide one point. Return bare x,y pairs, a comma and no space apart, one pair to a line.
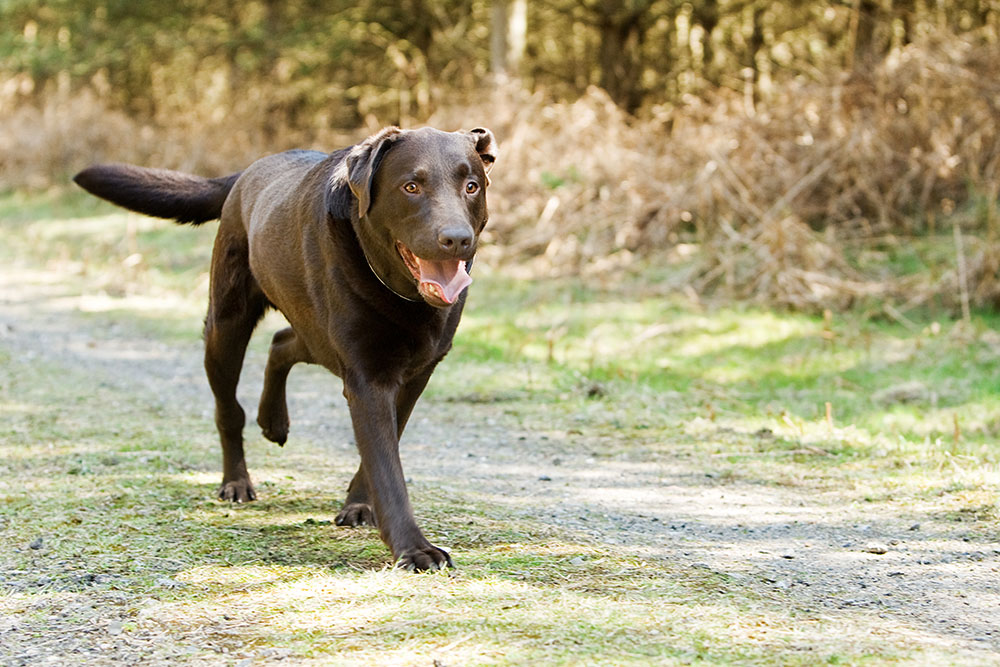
411,188
471,187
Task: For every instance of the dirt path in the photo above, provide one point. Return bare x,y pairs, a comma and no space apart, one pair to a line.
903,573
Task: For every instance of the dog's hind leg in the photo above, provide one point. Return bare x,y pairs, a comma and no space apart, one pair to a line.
287,349
236,304
357,510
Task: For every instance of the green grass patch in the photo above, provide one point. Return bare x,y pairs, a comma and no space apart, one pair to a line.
118,511
640,367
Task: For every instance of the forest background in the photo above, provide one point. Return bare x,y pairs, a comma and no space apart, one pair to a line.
812,155
727,390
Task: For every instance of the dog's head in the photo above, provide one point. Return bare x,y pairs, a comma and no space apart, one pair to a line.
421,198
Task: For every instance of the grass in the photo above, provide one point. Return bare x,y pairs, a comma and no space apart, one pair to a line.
639,368
114,539
121,514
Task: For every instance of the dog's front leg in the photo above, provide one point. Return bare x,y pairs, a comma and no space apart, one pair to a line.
357,510
373,414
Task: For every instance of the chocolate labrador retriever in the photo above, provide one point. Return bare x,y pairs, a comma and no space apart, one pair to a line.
366,252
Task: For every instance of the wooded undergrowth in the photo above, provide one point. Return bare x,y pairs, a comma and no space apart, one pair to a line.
818,156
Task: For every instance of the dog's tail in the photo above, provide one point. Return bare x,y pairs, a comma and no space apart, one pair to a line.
158,192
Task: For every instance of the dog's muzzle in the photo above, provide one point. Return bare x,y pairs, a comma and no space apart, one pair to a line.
439,282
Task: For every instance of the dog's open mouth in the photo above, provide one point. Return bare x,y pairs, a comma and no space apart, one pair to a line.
439,282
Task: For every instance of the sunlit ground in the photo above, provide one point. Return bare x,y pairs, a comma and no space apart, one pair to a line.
118,482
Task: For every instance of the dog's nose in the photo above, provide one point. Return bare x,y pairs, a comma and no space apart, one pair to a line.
455,240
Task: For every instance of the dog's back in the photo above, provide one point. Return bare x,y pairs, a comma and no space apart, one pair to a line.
277,187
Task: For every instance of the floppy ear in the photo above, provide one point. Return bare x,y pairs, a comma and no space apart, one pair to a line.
362,163
486,146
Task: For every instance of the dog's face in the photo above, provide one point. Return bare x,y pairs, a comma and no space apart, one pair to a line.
423,194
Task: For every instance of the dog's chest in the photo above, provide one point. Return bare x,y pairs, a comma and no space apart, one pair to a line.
393,352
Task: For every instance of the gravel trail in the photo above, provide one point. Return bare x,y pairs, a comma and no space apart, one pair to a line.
930,579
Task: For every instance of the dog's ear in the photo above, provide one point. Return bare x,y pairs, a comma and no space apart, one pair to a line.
362,163
486,146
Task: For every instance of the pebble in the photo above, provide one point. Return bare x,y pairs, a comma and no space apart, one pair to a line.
278,653
877,549
167,582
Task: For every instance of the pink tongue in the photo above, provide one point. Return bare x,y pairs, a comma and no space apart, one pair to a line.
451,277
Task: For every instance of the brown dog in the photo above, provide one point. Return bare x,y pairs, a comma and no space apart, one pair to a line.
366,252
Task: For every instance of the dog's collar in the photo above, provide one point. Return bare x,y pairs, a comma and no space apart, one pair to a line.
386,285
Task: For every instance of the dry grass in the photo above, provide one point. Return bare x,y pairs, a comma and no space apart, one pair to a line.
802,201
784,199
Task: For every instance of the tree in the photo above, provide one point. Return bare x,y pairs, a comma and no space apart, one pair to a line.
508,36
622,30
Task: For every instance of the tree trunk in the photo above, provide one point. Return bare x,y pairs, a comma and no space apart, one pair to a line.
706,14
509,33
752,69
517,34
498,38
865,54
906,11
619,60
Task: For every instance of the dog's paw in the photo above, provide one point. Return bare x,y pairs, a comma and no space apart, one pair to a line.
237,491
423,559
356,514
274,426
